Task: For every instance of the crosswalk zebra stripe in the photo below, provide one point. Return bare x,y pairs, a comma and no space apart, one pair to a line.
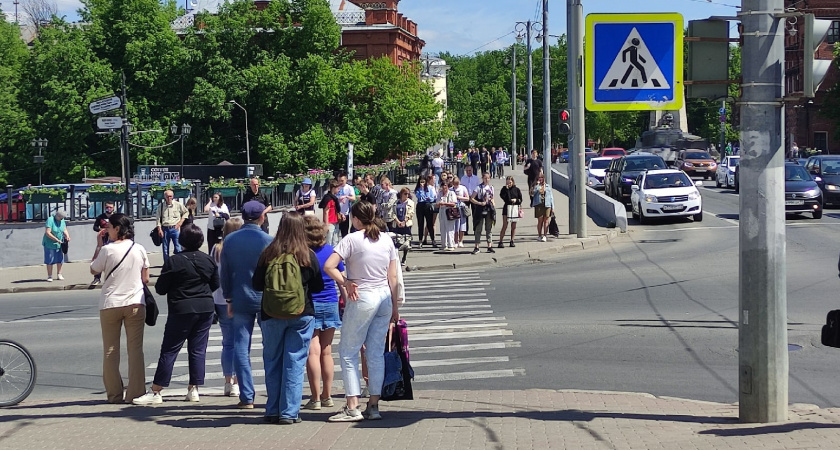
455,376
438,308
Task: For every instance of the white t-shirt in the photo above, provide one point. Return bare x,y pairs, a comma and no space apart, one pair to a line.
470,182
367,261
214,210
437,163
124,286
487,193
461,191
347,191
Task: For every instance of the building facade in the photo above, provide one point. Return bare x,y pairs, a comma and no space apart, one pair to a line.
376,28
804,125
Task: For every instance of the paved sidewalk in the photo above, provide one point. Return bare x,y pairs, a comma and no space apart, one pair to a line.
77,273
531,419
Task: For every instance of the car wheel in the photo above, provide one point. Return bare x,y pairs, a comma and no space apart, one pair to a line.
642,219
634,213
818,214
698,217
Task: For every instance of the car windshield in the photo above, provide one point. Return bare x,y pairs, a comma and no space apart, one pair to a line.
613,152
796,173
666,180
733,162
644,163
599,164
831,168
698,155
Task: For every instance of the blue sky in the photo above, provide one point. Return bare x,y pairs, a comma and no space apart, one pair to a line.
464,26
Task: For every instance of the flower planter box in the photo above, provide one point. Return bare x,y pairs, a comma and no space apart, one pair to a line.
267,190
225,192
44,198
179,193
106,196
287,188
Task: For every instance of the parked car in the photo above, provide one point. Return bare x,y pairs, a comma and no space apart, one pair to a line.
564,156
665,193
725,173
826,170
595,172
613,152
802,194
622,173
696,163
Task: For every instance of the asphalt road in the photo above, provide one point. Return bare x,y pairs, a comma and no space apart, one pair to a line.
653,312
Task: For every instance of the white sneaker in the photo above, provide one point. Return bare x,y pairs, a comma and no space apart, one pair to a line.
347,415
149,398
49,279
461,244
544,239
60,276
192,395
234,390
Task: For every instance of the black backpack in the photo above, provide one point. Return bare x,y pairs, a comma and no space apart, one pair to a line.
831,330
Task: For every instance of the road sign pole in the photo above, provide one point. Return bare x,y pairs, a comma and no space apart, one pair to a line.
530,89
513,149
577,137
547,160
762,330
722,129
129,210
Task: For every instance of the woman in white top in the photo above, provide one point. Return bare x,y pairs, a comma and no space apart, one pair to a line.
370,261
447,199
126,269
463,196
217,209
225,320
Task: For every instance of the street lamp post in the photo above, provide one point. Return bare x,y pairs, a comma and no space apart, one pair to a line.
526,28
39,144
513,62
185,131
247,142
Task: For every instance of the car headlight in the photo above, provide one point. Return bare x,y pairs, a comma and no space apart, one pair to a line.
812,193
694,195
831,187
688,164
712,165
650,198
628,180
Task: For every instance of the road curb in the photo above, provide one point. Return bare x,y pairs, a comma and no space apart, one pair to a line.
65,287
531,256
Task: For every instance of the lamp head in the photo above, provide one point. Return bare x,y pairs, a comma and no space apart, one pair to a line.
174,129
185,129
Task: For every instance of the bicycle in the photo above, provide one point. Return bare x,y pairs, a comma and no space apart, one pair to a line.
17,373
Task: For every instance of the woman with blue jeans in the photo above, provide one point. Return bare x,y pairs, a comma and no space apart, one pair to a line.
286,340
372,293
225,321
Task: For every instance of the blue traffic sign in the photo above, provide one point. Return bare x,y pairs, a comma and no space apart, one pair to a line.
634,61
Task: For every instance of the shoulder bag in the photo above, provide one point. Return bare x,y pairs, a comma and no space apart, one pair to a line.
398,372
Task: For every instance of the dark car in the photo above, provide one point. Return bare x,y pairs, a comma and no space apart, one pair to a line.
564,156
802,194
623,171
826,170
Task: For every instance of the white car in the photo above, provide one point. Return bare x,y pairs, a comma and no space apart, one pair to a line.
595,172
665,193
725,173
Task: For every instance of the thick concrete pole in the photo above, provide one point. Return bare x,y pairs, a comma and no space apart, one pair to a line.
546,97
530,92
513,106
762,335
577,138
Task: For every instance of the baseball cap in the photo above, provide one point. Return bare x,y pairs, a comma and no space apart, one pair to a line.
252,210
307,181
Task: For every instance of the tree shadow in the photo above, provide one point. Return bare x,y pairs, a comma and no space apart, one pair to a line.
770,429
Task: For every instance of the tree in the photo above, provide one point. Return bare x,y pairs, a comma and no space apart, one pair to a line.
39,12
14,123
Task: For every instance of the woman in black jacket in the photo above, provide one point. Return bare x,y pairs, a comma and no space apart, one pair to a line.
512,197
286,340
188,279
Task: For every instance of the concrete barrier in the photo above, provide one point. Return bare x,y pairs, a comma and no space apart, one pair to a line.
603,210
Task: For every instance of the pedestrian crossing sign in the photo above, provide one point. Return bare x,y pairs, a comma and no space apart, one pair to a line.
634,62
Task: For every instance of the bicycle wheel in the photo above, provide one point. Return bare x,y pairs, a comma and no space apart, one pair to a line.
17,373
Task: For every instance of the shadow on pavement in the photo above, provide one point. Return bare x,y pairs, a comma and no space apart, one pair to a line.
768,429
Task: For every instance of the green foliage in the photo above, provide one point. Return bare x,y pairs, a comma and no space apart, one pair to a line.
171,186
223,182
33,190
114,188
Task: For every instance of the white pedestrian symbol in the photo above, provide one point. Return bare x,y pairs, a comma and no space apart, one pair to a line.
634,67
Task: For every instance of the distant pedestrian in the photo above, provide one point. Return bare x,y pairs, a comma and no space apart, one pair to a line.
319,365
253,193
331,212
192,209
231,388
386,201
501,159
372,294
542,200
474,158
171,215
305,198
463,197
346,197
437,165
492,162
484,160
55,235
286,340
239,260
100,226
484,213
188,280
426,195
446,200
122,303
470,180
533,167
219,213
512,197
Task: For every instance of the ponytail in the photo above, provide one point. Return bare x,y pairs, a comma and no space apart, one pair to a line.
366,213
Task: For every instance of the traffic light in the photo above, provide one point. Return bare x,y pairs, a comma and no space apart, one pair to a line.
565,122
814,70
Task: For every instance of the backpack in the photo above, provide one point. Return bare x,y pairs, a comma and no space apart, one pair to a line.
831,330
283,297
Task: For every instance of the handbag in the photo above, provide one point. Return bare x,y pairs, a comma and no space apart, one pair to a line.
830,336
398,371
65,246
218,223
453,213
151,307
514,213
156,239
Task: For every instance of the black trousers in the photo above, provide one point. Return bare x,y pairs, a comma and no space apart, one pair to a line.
425,220
193,328
344,226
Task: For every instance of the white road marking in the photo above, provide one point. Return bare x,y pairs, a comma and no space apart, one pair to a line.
730,221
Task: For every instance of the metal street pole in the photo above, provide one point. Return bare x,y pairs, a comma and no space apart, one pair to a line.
530,90
546,97
247,141
762,330
129,210
513,107
722,129
577,137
